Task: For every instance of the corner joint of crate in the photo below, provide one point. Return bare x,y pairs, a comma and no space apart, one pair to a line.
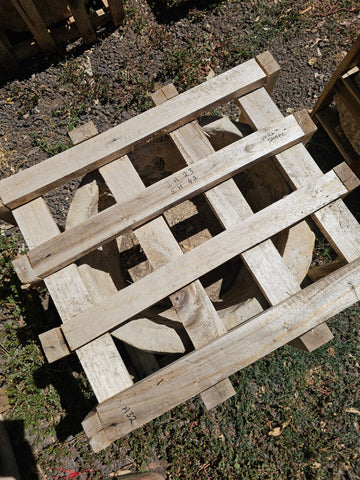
54,344
24,270
270,67
347,176
306,123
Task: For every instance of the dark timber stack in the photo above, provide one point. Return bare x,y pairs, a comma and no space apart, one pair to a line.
73,21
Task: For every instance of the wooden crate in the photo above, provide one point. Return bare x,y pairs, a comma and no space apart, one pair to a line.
342,88
47,38
221,346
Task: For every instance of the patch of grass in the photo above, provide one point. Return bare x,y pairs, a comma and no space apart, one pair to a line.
47,146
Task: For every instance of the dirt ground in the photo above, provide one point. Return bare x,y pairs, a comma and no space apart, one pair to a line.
161,41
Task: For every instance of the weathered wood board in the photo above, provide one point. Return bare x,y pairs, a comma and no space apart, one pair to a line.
286,313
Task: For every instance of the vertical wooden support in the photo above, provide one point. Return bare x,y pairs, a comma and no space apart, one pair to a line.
82,21
351,59
117,11
37,27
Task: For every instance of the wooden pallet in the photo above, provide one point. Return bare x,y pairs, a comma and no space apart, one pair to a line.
342,85
296,315
46,39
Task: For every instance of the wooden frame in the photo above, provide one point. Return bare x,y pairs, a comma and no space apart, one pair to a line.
81,24
296,314
342,85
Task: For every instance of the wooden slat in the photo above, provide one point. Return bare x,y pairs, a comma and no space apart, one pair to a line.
192,304
72,244
118,141
117,11
195,263
336,221
264,261
272,69
36,225
351,59
82,20
237,349
33,20
231,208
299,167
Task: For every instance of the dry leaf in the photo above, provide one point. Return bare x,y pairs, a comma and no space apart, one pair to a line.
275,432
352,410
331,352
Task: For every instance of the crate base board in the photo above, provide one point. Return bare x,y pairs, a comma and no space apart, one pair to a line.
237,349
123,405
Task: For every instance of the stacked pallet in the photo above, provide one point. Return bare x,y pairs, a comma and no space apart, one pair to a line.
36,16
342,120
220,345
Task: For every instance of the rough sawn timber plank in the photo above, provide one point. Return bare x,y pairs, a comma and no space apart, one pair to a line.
195,263
192,304
234,351
120,140
101,361
335,221
229,205
30,14
154,200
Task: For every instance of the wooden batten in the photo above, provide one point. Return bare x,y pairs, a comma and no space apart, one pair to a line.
202,259
120,140
72,244
239,348
54,344
117,11
82,20
299,168
270,66
32,18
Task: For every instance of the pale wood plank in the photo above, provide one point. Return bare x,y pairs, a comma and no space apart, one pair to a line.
108,224
82,19
237,349
299,167
336,221
71,297
32,18
144,362
313,339
54,344
195,263
192,304
270,66
118,141
83,132
93,428
264,261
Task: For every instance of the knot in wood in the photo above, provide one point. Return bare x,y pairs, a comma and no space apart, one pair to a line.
180,298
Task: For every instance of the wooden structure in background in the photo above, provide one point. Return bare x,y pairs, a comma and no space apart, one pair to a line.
221,346
46,38
347,91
